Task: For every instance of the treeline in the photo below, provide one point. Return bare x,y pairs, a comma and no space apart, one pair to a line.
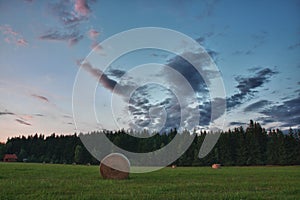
250,146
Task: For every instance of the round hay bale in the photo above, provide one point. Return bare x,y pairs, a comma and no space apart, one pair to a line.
216,166
115,166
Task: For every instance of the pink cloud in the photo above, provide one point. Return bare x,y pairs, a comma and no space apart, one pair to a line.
7,30
93,34
22,42
75,40
7,40
82,7
12,36
96,46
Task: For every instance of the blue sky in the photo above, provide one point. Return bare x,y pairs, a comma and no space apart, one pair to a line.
255,45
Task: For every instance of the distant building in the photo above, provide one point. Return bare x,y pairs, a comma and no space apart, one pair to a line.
10,158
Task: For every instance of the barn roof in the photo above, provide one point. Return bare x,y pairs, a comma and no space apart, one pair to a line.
10,156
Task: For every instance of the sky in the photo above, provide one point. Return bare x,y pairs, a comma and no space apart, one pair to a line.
44,44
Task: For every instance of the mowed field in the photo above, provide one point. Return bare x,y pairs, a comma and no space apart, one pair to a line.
51,181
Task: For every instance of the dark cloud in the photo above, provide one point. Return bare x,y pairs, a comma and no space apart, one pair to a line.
247,86
236,124
70,14
213,54
294,46
257,105
242,52
116,73
23,122
288,112
102,78
6,113
259,38
190,73
71,37
201,40
208,9
105,80
40,97
139,104
63,11
149,110
265,120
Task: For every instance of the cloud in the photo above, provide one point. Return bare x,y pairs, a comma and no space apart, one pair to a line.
246,86
294,46
116,73
22,42
82,7
208,9
71,37
236,124
102,78
6,113
23,122
93,34
13,37
70,14
190,73
257,105
75,40
140,105
61,10
259,38
288,112
40,97
149,109
242,52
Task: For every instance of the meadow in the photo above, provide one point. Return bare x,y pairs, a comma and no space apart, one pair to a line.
57,181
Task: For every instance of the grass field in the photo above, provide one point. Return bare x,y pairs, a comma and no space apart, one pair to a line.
49,181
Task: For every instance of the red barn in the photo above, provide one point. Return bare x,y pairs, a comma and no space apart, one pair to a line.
10,158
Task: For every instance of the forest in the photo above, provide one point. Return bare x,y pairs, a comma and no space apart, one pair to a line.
240,146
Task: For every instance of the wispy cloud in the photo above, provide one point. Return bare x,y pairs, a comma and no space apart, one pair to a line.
70,14
23,122
259,38
236,124
257,105
93,35
6,113
294,46
12,37
287,112
247,86
72,37
42,98
102,78
208,9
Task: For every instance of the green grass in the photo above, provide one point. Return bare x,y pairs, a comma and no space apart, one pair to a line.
49,181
